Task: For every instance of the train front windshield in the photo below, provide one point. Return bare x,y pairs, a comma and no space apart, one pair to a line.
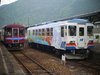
22,31
72,30
8,31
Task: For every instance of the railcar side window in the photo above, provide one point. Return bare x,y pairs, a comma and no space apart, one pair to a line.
51,31
62,31
42,32
29,32
96,36
72,30
8,31
39,32
33,32
90,30
65,30
22,31
47,32
36,32
81,31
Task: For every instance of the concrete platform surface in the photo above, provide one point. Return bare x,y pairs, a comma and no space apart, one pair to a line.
8,65
95,53
96,48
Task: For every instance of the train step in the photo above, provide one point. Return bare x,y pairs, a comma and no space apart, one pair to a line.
76,56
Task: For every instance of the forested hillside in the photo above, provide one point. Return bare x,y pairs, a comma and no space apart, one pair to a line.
40,11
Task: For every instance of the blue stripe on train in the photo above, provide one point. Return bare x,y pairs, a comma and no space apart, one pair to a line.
73,47
15,39
70,47
90,47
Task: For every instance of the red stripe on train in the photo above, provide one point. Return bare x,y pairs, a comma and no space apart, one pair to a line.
69,44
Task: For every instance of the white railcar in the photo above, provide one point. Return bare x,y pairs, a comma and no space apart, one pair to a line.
73,38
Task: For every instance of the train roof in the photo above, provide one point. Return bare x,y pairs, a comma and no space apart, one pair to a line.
61,22
14,25
79,21
49,25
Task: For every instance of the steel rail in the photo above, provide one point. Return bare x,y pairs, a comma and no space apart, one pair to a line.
37,63
23,64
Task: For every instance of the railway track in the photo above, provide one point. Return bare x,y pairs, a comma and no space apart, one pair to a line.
32,66
53,64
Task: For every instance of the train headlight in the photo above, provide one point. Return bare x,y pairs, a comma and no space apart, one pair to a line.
90,41
21,45
72,41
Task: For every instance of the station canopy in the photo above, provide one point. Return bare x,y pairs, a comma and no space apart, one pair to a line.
93,17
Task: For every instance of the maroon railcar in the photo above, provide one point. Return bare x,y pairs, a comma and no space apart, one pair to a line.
13,36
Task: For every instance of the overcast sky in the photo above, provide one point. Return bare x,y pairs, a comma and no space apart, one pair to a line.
6,2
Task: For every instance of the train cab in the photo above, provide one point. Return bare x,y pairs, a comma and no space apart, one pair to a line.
78,38
13,35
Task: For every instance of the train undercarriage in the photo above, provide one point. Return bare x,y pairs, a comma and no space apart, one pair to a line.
69,54
15,46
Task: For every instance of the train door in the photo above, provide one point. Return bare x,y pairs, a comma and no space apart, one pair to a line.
15,35
81,36
63,36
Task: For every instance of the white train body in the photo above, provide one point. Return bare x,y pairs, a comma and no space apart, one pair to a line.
74,35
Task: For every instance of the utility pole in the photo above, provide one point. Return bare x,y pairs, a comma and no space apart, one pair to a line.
0,2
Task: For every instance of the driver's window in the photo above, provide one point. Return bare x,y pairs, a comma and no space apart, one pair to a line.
72,30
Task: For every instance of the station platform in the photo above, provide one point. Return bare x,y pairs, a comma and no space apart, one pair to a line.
96,48
95,53
8,65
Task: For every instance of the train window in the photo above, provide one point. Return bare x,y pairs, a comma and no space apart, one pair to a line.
33,32
29,32
8,31
36,32
51,31
90,30
72,30
39,32
65,30
42,32
47,32
81,31
62,31
15,33
22,31
96,36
